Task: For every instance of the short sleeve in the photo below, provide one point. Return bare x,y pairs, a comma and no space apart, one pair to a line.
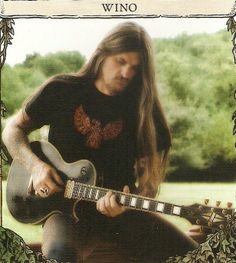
53,97
45,103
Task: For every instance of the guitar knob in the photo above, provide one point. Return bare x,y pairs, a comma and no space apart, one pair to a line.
206,201
229,204
198,222
218,203
84,171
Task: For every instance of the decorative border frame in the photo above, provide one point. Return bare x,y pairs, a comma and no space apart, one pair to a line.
219,247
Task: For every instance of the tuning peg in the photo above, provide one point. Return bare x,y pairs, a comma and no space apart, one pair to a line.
206,201
229,204
218,203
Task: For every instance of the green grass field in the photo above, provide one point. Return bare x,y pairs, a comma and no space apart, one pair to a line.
177,193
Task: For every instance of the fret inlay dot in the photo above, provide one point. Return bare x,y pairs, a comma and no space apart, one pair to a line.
133,201
160,207
176,210
122,199
146,204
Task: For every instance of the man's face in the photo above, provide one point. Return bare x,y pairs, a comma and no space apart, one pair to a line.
117,71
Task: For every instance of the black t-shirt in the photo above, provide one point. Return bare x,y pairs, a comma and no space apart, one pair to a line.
87,124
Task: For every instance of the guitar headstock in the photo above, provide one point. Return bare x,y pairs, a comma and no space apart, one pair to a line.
208,216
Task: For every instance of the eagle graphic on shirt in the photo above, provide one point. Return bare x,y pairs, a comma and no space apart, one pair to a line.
93,130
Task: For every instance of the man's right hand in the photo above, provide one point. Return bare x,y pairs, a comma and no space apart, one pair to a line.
44,180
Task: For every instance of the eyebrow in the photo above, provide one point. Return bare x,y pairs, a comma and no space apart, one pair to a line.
135,66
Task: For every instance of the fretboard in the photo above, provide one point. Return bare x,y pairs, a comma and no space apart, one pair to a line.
76,190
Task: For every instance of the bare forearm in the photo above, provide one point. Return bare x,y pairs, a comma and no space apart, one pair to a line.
17,143
15,137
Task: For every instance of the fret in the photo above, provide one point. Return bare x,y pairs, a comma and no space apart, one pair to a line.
168,209
90,193
75,191
86,192
152,206
139,203
97,194
78,190
146,204
127,200
102,193
94,191
82,191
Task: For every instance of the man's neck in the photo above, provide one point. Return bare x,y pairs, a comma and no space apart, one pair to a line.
103,88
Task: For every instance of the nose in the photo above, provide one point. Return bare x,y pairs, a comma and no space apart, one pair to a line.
127,72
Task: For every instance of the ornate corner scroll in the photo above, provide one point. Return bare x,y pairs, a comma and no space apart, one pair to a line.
7,32
6,36
219,247
3,109
234,119
231,26
14,249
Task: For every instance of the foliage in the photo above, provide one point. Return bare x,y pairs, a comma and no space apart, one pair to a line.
219,247
14,249
20,81
52,64
197,80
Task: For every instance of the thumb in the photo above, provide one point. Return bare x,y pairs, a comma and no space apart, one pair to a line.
126,189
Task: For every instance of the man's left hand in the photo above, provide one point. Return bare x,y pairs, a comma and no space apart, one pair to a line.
108,206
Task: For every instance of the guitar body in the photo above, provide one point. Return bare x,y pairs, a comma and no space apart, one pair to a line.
29,208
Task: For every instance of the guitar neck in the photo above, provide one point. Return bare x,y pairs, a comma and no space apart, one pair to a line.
76,190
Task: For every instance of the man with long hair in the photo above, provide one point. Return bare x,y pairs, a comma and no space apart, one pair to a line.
109,113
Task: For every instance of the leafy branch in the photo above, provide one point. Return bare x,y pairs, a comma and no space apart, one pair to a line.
231,26
7,32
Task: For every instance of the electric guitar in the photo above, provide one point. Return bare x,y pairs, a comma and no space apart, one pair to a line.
80,184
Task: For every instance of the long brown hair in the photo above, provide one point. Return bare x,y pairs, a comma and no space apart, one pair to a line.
127,37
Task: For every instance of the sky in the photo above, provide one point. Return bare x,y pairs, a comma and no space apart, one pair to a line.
51,35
